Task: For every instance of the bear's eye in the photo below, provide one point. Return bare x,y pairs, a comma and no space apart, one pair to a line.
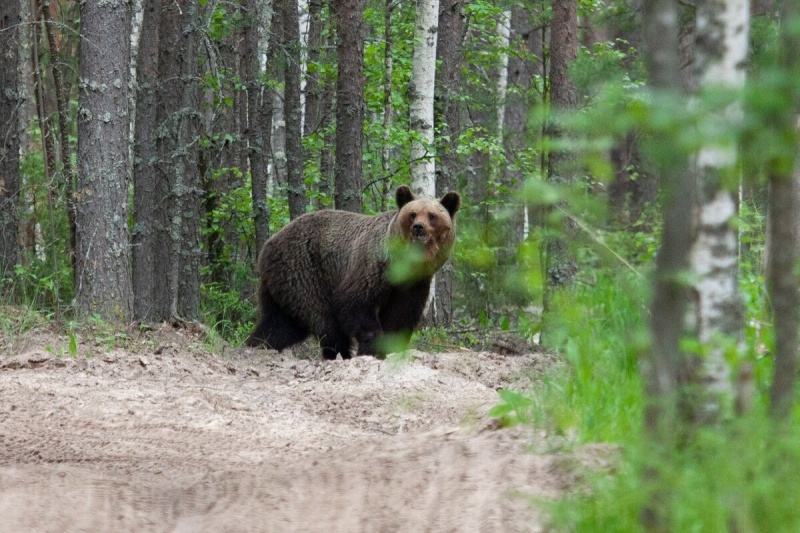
433,218
413,215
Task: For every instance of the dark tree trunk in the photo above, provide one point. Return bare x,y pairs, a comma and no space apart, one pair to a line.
292,110
560,263
783,291
447,119
275,75
348,183
150,198
10,103
258,124
102,246
784,203
314,81
326,170
178,263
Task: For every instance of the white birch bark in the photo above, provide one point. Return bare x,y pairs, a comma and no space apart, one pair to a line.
720,57
423,75
504,37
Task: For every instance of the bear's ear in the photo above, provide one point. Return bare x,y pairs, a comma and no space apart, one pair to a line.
452,202
403,196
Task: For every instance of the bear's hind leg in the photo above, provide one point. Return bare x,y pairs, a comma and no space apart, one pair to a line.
275,329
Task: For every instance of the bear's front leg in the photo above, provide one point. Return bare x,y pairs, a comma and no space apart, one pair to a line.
363,324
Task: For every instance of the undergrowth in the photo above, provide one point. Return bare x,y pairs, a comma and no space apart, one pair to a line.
738,476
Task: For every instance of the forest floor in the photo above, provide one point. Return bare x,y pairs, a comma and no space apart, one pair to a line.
158,431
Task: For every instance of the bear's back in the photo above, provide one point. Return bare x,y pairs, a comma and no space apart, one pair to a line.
308,259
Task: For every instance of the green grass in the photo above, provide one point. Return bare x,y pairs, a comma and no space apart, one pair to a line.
738,476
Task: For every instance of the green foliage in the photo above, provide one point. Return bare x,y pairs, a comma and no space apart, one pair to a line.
739,477
514,408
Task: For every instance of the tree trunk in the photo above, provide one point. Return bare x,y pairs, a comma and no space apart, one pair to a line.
314,82
784,236
348,182
720,59
388,110
178,262
662,368
292,110
258,122
420,90
150,198
102,247
10,102
447,116
560,263
276,76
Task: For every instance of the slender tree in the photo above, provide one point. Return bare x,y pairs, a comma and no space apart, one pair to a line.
421,89
258,119
150,214
784,228
292,109
10,102
721,46
348,184
560,263
661,370
447,120
102,247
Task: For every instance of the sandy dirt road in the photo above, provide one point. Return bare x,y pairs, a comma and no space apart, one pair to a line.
162,435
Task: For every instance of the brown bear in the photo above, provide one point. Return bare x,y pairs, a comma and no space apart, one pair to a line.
327,274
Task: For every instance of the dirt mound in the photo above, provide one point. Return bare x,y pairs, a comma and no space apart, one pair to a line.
160,435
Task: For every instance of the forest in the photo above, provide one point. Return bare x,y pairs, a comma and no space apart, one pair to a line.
629,188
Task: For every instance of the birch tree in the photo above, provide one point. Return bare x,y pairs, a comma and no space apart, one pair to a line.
421,87
721,47
423,76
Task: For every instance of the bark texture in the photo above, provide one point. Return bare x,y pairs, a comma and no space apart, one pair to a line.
10,103
348,182
421,89
257,122
293,110
784,236
102,247
150,199
720,59
447,116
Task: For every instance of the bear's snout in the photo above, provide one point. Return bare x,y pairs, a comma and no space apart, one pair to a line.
418,229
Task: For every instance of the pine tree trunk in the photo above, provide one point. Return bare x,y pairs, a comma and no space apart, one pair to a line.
348,181
560,263
10,102
150,209
178,122
102,247
447,116
784,237
292,110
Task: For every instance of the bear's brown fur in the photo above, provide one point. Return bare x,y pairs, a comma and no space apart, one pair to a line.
326,274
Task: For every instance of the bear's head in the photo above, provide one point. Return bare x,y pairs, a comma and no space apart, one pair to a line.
427,224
